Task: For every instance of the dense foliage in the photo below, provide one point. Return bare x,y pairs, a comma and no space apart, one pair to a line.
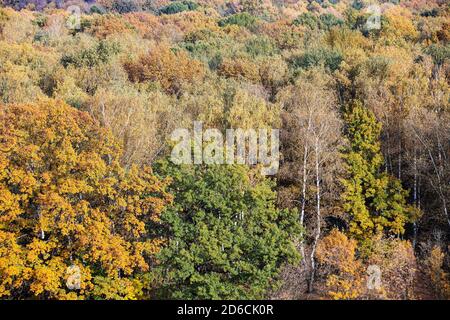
227,238
65,200
88,102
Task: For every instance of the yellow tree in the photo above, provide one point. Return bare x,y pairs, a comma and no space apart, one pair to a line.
66,204
336,253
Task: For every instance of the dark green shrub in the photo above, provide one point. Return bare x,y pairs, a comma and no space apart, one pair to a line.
331,59
240,19
179,6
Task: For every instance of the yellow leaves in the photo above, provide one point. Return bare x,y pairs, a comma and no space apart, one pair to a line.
68,91
347,272
346,39
397,262
147,248
50,205
139,119
133,225
22,68
117,288
50,279
47,278
337,253
344,289
440,279
63,198
65,155
121,202
92,166
251,111
11,263
337,250
72,186
25,180
105,25
99,242
401,62
399,24
190,21
9,205
146,24
39,250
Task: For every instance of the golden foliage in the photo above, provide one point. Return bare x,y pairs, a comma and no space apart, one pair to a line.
102,26
170,69
399,24
336,253
239,68
440,279
66,201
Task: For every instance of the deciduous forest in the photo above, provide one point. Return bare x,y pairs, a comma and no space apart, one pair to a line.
91,91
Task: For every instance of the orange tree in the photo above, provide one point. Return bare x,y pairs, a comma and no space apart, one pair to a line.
170,69
67,204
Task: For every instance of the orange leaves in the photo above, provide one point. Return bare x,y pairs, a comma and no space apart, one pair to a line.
347,267
239,68
337,251
147,25
337,254
65,198
104,25
170,69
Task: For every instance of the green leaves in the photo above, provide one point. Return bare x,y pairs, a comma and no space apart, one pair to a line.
101,53
322,22
329,58
243,19
179,6
227,240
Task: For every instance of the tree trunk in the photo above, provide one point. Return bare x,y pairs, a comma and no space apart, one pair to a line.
318,221
303,202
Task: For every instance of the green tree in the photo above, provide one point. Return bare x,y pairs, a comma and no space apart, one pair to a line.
375,201
243,19
323,22
227,239
177,7
329,58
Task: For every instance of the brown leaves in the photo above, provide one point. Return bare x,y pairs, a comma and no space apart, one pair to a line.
170,69
239,68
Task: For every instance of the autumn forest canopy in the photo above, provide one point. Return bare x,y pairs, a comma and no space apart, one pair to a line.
92,207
